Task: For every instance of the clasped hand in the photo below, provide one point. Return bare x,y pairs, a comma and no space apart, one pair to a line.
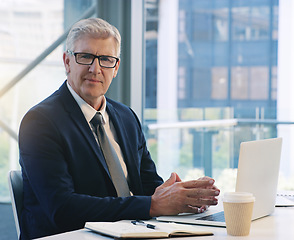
174,196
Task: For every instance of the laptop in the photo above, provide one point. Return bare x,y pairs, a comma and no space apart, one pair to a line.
258,172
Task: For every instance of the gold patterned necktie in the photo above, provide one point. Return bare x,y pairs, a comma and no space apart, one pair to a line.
116,172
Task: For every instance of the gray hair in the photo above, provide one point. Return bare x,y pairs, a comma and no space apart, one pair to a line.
94,27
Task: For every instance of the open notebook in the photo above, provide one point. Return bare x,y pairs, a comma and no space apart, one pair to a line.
131,229
258,172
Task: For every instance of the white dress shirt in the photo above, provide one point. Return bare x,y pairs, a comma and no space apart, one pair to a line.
89,112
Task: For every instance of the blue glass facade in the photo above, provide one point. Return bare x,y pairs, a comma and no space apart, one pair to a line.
227,68
227,55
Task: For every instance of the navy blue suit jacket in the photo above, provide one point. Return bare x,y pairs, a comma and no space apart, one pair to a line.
66,180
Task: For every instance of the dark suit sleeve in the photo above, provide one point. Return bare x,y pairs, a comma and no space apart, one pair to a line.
149,177
53,202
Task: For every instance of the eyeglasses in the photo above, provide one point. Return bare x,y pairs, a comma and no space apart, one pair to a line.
88,59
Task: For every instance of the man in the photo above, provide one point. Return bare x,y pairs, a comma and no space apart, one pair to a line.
66,174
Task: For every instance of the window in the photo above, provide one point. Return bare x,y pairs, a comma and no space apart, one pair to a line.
223,65
27,28
219,78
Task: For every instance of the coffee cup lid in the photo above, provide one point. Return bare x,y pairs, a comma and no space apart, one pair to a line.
238,197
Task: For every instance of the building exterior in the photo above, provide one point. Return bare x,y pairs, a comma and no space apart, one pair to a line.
226,68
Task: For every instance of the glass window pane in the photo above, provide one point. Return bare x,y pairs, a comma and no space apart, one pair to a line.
226,67
239,80
219,77
27,29
259,83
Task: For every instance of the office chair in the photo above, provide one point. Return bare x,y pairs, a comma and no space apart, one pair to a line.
15,183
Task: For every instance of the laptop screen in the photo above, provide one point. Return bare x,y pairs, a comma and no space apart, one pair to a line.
258,172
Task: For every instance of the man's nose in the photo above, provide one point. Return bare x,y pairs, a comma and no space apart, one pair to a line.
95,66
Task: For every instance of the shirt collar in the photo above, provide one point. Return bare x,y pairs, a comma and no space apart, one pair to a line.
86,108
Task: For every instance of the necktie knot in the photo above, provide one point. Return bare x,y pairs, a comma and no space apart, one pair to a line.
96,120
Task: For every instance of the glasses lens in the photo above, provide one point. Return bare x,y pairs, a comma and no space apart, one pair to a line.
84,58
108,62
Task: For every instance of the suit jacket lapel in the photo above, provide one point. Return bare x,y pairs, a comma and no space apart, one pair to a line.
127,150
75,113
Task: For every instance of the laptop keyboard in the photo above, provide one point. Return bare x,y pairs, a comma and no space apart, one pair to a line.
216,217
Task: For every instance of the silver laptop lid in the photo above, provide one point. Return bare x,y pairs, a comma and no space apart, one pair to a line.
258,171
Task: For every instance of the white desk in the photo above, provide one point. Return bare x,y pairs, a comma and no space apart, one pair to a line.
280,225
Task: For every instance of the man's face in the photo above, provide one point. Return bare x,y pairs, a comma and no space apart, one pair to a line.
91,82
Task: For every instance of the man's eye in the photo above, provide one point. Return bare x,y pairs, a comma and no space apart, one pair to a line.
106,59
86,56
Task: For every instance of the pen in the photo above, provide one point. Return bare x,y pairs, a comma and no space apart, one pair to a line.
139,222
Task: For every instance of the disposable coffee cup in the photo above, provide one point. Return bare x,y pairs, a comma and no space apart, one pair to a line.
238,207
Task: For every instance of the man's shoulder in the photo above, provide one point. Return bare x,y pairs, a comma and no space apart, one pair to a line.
49,103
56,109
116,104
54,101
124,111
54,105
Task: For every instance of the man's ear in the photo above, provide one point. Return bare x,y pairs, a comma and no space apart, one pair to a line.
116,68
66,62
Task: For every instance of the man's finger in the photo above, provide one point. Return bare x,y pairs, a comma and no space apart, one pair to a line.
178,179
202,192
198,183
202,202
172,179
